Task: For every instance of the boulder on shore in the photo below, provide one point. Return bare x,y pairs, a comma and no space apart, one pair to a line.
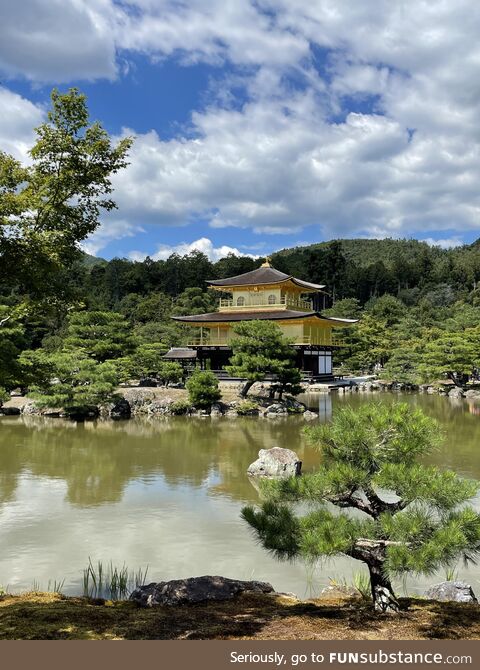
194,590
276,409
275,462
121,410
459,592
456,392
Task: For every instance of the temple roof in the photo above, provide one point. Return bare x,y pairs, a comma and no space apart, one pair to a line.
263,275
180,353
272,315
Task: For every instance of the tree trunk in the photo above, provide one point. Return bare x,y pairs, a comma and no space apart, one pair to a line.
384,599
245,389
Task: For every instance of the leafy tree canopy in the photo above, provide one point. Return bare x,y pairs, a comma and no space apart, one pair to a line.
48,207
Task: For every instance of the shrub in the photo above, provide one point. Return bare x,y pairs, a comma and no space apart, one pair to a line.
170,372
203,389
180,407
247,407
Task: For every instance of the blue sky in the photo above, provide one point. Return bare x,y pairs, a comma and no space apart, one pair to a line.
262,124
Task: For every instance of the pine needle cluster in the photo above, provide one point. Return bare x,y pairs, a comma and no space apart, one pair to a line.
373,500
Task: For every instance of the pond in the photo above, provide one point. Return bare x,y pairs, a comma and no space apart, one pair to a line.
167,493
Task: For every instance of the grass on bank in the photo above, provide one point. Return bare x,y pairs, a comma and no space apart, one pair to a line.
251,616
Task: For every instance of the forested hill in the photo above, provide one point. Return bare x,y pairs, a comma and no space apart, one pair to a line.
367,251
358,268
363,268
418,306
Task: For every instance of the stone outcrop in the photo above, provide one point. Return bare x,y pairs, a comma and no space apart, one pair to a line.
8,410
121,410
459,592
195,590
456,392
473,394
275,462
309,415
276,409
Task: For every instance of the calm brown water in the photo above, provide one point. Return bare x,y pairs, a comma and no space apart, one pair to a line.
167,493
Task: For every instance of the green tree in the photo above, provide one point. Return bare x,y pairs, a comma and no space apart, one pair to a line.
11,343
48,207
260,349
366,452
170,372
404,364
101,335
71,381
194,301
203,389
147,359
155,307
453,355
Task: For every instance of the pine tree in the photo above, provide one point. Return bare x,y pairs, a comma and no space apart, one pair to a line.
71,381
101,335
260,349
453,355
413,516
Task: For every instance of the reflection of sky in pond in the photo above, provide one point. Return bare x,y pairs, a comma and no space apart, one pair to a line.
167,494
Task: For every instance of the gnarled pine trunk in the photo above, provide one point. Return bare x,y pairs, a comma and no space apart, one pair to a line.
245,389
384,599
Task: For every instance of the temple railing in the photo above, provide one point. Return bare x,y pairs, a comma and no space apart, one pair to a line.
214,341
284,302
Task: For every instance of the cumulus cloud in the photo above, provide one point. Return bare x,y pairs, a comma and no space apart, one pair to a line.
108,232
361,118
279,166
18,118
448,243
203,244
58,40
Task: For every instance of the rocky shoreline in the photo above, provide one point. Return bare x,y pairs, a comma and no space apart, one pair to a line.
164,401
140,401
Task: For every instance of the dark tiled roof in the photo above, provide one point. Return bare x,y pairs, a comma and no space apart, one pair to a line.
179,353
262,275
246,316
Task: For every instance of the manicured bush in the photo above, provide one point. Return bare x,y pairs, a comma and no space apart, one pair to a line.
203,389
180,407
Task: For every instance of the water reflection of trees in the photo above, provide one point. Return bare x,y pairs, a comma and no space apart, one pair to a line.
98,460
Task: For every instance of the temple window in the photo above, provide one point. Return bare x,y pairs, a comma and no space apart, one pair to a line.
240,301
272,299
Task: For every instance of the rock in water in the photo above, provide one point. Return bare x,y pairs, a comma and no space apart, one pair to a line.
460,592
194,590
456,393
121,410
275,462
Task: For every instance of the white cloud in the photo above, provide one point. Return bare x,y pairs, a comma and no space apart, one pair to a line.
290,154
58,40
109,231
278,166
203,244
448,243
18,118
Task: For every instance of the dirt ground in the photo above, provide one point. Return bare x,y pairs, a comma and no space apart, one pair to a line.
251,616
